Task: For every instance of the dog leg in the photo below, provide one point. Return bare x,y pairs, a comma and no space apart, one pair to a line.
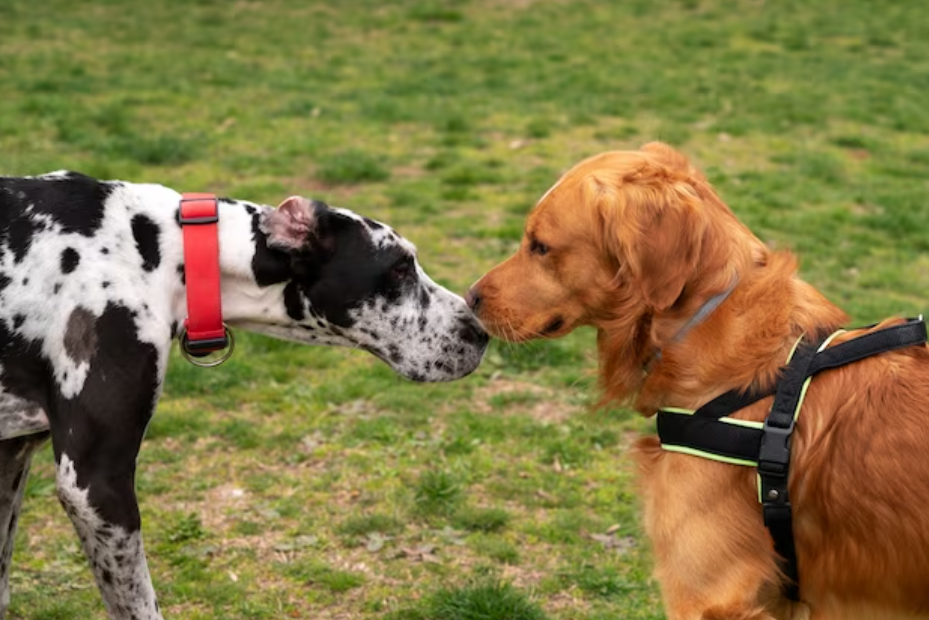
713,556
96,437
738,605
106,516
710,581
15,459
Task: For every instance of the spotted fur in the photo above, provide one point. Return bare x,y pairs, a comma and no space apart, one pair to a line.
92,291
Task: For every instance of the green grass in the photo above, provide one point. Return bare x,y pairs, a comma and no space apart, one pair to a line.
482,519
478,601
348,167
314,483
437,492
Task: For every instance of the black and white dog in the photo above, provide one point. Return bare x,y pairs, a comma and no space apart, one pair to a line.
92,292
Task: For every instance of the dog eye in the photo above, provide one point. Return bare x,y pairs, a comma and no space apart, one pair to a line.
537,247
402,269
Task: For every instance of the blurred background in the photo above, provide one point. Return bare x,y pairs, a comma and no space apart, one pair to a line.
313,483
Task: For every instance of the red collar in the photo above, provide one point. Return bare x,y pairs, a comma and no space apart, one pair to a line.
204,330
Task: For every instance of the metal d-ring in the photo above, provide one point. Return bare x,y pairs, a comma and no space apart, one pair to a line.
211,363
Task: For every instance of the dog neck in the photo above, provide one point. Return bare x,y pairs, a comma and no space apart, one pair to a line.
742,343
252,276
698,317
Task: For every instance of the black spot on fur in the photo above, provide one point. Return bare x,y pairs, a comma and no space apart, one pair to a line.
74,202
371,334
57,288
105,284
182,274
104,251
269,265
69,260
4,281
146,234
372,224
19,235
293,301
424,298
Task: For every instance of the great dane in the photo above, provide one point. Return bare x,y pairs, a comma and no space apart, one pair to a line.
92,292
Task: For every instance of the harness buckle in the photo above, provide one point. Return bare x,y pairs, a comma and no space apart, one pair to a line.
774,456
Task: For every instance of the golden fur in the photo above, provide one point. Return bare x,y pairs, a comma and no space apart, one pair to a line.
633,243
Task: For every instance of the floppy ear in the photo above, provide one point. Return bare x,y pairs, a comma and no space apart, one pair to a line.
290,226
655,230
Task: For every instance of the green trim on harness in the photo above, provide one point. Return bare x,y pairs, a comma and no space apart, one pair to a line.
709,455
806,385
686,449
682,449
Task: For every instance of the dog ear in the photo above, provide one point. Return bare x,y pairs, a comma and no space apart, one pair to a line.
666,252
290,226
654,228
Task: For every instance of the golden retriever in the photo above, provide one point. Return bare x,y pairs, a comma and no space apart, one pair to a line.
634,243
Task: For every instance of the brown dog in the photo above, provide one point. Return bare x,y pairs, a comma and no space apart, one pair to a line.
636,243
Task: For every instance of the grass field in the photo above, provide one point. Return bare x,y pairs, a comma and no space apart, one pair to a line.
312,483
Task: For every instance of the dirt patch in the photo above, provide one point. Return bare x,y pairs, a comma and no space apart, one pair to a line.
219,503
541,403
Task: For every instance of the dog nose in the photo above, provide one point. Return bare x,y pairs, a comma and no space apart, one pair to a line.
472,333
473,299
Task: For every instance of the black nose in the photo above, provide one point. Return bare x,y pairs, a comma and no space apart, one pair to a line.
473,299
472,333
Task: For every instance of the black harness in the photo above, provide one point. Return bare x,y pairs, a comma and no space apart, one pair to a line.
708,432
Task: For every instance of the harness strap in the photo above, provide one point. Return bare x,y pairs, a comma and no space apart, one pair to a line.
774,461
708,432
910,333
907,334
718,440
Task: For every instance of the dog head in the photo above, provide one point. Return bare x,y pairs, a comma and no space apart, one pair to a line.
629,242
354,282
